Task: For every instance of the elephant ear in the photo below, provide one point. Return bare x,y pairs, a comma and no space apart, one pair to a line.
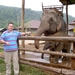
59,27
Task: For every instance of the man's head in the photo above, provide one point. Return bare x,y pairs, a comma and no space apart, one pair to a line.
10,26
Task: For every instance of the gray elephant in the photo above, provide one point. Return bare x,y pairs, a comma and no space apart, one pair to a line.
51,23
57,46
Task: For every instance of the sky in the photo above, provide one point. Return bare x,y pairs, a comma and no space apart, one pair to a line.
36,4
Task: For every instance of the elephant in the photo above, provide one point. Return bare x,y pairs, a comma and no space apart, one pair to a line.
51,23
57,46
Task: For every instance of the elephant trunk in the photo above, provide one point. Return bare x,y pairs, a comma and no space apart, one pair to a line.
39,32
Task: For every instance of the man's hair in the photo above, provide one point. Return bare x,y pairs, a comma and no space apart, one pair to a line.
10,23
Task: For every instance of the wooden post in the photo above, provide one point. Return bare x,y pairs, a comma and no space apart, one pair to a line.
18,52
73,59
22,29
42,7
67,15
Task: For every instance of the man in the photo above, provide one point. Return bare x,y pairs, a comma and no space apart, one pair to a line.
9,38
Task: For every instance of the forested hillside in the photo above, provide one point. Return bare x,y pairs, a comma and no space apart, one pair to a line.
13,14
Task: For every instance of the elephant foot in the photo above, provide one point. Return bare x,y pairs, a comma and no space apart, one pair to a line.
56,62
68,59
64,59
42,56
56,59
52,60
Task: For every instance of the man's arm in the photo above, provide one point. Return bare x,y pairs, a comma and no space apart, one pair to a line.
4,42
25,33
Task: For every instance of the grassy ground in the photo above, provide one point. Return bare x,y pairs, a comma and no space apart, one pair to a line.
24,70
1,50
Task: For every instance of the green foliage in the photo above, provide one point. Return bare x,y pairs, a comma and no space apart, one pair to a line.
8,14
70,18
32,15
13,14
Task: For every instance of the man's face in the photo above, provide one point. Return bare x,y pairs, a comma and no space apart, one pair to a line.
10,27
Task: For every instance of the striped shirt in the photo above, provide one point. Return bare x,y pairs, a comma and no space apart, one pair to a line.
10,37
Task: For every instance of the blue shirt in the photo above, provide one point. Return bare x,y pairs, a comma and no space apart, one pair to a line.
10,37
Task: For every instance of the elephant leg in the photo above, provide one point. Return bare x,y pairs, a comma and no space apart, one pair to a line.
52,57
48,45
64,58
42,55
66,49
59,49
69,50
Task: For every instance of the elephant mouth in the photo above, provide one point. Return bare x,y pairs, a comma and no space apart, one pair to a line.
48,33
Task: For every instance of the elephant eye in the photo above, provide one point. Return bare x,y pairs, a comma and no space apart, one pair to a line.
51,19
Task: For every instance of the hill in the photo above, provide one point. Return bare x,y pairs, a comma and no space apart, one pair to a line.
13,14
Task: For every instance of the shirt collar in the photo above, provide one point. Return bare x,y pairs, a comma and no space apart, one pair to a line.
9,31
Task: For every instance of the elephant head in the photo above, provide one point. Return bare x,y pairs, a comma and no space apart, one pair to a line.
51,23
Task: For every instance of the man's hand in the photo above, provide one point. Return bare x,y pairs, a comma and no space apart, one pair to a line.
25,33
28,32
7,43
4,42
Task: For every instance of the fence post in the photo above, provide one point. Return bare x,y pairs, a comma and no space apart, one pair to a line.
73,59
18,52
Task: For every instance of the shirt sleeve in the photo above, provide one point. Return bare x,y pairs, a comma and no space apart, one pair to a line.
0,38
19,33
3,36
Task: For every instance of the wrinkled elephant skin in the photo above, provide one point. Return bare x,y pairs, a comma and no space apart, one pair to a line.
51,23
57,46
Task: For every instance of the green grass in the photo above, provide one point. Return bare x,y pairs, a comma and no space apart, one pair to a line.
2,67
24,69
1,50
28,70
